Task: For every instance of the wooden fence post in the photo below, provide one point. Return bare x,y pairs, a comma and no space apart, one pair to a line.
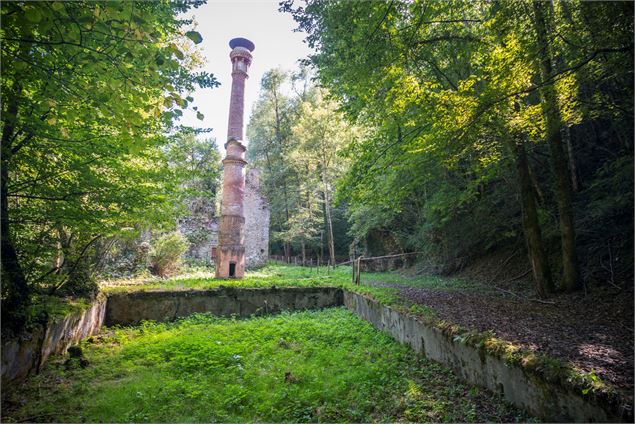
353,269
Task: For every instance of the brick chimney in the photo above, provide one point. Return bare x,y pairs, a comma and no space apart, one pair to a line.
230,258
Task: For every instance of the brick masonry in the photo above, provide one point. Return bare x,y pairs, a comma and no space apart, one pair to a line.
230,254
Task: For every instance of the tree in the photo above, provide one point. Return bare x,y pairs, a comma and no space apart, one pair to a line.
449,94
320,133
554,129
197,164
90,91
269,134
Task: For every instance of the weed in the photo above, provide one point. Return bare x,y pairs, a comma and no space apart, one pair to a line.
320,365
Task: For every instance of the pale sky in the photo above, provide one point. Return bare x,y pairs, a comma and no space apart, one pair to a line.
276,46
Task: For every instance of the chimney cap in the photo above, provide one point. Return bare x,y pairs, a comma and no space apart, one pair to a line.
242,42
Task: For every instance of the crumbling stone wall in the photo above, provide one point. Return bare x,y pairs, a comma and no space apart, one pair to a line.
257,212
200,228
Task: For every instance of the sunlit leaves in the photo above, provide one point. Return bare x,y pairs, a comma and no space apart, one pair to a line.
194,36
90,80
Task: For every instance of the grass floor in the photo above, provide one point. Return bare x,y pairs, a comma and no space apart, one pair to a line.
310,366
280,275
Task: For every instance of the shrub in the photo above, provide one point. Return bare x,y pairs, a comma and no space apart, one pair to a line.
165,254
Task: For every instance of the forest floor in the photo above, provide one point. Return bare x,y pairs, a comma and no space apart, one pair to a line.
591,330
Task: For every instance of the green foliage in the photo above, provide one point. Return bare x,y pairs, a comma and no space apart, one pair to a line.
322,365
546,367
166,252
90,91
443,89
296,141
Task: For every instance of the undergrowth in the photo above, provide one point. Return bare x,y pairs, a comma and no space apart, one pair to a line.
277,275
311,366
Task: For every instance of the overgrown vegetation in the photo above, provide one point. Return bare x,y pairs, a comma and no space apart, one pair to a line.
92,92
312,366
483,125
275,275
166,252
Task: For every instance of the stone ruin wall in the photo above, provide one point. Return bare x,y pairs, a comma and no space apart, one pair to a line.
257,213
202,227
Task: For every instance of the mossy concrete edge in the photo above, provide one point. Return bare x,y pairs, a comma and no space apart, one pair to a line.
522,388
26,353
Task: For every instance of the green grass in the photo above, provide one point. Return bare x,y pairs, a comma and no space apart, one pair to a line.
282,276
311,366
295,276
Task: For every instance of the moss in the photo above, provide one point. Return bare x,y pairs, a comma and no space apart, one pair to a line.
46,308
546,368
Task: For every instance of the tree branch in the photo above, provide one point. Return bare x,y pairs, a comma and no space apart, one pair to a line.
551,80
448,37
75,264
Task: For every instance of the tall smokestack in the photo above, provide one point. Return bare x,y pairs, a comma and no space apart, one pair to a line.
230,261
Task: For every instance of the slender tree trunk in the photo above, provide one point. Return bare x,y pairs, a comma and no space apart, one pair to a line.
287,252
15,290
572,166
329,225
553,121
540,197
287,247
531,223
303,245
321,258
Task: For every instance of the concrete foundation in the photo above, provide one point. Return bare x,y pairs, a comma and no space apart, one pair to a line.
26,353
132,308
548,401
525,389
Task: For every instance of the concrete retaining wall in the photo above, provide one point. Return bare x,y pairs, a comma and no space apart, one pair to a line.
132,308
25,354
547,401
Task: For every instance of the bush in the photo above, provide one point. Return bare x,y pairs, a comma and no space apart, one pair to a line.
165,255
81,282
125,257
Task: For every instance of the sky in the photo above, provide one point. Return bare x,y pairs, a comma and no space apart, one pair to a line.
276,46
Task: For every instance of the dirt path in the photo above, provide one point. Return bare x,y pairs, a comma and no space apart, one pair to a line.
593,332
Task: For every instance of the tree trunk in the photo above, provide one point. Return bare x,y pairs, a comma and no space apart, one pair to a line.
287,252
321,257
572,167
531,224
15,290
287,247
303,245
553,121
329,224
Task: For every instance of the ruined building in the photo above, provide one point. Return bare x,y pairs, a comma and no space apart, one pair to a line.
256,222
201,226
